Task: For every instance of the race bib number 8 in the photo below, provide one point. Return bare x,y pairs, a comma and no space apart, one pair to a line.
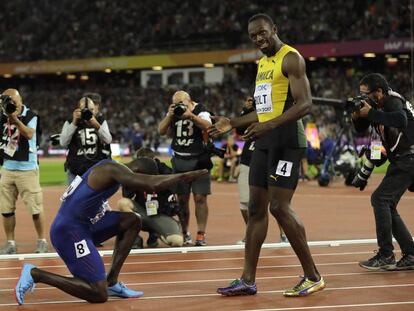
284,168
263,98
81,249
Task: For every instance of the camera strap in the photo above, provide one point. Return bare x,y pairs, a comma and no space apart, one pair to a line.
10,133
11,147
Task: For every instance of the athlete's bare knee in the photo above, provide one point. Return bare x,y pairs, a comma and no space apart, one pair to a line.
131,220
279,209
99,295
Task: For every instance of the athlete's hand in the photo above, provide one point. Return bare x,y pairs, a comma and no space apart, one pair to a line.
256,130
190,176
221,126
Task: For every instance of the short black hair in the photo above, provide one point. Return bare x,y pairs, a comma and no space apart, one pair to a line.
262,16
96,98
375,81
145,152
144,165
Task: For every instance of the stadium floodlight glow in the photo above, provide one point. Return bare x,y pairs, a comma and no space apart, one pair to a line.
404,56
369,55
84,77
312,58
129,71
157,68
70,76
388,55
392,60
331,59
7,75
108,70
208,65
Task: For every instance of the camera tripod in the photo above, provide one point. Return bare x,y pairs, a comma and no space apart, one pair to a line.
330,169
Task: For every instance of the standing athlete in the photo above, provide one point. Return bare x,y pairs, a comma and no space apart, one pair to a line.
83,221
282,96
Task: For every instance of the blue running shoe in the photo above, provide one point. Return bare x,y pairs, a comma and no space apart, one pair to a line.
24,283
120,290
237,288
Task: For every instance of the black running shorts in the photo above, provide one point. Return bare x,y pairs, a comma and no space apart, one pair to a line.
275,167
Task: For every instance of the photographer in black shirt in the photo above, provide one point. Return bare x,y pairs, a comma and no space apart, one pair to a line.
87,137
185,121
391,118
159,210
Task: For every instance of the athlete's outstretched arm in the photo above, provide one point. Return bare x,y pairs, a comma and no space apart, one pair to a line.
102,177
294,68
224,125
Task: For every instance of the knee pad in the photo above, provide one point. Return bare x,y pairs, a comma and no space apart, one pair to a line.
244,206
175,240
8,215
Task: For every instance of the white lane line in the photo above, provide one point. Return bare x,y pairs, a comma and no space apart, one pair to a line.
360,305
219,269
177,282
201,260
204,249
217,295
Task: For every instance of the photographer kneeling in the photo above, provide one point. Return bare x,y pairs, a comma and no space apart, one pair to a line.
156,209
391,118
87,137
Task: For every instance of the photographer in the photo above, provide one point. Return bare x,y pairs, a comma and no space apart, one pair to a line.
185,121
157,210
391,118
229,160
86,136
20,172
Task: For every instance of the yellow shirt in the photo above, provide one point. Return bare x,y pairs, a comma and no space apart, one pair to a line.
272,94
273,97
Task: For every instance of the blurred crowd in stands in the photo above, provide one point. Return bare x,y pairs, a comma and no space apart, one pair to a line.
47,29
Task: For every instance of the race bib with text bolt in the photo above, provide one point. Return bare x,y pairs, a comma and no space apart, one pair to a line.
263,98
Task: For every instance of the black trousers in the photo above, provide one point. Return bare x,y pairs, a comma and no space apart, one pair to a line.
384,200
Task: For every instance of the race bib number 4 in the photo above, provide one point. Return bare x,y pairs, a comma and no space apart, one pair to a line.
284,168
81,249
263,98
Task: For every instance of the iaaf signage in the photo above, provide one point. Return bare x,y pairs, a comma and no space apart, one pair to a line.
398,45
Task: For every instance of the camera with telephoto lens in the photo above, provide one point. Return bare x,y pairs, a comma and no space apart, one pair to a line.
354,104
7,104
86,114
179,109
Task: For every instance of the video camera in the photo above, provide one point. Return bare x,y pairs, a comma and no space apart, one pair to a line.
7,104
